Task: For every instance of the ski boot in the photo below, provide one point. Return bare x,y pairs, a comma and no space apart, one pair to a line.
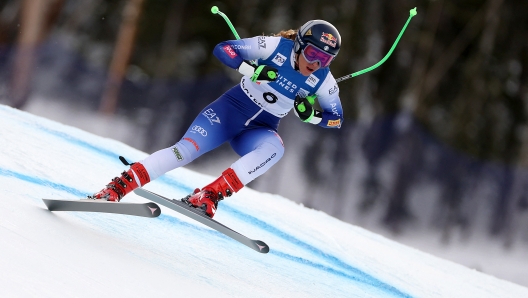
129,180
206,200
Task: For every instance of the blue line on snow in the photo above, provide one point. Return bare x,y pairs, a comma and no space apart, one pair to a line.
244,216
289,238
76,141
104,152
42,182
332,259
355,274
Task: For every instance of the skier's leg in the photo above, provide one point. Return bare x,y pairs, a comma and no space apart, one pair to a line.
260,149
207,132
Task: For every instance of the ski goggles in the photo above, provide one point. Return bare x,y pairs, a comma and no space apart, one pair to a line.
313,54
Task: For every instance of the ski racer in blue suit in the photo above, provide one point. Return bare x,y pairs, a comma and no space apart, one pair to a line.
279,73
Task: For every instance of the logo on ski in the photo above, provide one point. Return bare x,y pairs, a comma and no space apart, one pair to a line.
153,210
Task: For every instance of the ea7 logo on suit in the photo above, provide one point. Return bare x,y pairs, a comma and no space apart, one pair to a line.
211,116
261,42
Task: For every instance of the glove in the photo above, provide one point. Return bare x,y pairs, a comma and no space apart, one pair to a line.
258,73
303,108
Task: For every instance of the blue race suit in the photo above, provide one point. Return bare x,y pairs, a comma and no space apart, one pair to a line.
248,114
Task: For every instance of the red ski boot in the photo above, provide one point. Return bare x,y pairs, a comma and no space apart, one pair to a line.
121,186
207,199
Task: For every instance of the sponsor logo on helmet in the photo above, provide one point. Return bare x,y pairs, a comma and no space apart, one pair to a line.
329,39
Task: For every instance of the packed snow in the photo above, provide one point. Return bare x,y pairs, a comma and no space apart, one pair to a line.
81,254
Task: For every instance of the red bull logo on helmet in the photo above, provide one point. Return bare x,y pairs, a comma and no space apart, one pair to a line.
329,39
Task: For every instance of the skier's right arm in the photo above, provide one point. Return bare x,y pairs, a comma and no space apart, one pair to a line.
238,53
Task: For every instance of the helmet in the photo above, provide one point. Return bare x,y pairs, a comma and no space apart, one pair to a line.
319,33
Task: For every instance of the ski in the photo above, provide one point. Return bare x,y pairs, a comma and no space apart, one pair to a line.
149,209
191,212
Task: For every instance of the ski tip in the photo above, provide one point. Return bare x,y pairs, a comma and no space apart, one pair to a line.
261,246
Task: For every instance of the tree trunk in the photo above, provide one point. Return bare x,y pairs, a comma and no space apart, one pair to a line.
121,56
33,16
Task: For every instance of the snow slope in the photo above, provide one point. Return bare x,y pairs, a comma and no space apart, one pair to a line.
74,254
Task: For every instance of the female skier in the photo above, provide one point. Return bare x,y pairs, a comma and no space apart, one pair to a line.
279,72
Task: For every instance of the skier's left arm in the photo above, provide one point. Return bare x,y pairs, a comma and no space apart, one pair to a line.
331,115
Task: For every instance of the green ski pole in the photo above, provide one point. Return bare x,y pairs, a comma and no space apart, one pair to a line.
215,10
311,98
412,13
